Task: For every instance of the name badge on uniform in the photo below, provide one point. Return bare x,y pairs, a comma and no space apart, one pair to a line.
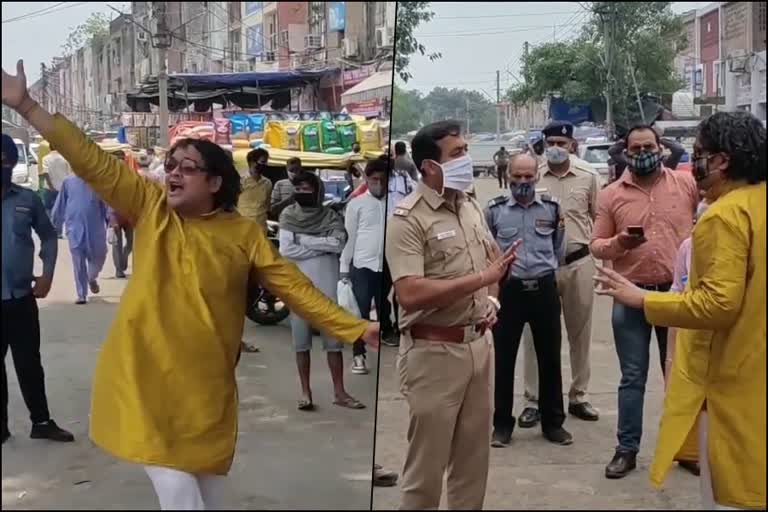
446,234
544,223
23,209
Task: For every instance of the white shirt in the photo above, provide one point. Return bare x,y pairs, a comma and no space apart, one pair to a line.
364,221
399,186
57,169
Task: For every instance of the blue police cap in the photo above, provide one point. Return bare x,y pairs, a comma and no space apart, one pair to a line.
558,129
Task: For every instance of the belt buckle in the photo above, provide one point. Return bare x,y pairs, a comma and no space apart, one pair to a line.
530,285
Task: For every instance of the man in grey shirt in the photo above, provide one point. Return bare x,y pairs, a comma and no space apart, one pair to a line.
404,163
282,192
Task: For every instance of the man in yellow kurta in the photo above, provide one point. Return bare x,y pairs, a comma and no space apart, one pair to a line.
164,390
719,369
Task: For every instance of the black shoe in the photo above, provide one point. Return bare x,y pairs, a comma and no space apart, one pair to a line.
690,466
391,339
501,438
559,436
583,411
51,431
120,275
623,462
529,418
383,478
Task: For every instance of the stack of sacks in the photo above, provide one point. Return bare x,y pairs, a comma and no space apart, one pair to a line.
310,136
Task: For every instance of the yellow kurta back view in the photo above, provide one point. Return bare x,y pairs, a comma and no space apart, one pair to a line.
164,390
721,356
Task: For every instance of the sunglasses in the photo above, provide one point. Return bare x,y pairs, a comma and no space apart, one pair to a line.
186,167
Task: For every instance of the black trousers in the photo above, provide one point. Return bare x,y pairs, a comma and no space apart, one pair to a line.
540,308
501,174
121,251
21,333
387,327
366,284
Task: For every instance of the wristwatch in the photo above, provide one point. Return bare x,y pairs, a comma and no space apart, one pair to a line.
495,302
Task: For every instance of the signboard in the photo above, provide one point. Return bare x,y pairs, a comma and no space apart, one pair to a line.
254,42
355,76
366,108
253,7
337,13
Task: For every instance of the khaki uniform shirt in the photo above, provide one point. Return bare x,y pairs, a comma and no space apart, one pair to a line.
432,238
577,193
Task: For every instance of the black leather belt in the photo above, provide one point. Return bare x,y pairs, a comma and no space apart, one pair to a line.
533,284
663,287
577,255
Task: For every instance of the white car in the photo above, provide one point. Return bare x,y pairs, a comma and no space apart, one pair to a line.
597,156
25,172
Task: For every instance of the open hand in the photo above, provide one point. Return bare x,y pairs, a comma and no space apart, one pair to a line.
498,269
42,286
15,87
619,287
371,336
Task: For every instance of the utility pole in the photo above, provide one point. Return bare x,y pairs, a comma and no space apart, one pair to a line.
468,130
637,89
161,40
609,24
529,103
44,92
498,105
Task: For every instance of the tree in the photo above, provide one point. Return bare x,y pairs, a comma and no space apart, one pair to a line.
648,36
409,16
407,110
96,25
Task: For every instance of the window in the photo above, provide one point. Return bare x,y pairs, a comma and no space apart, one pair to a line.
709,27
380,15
317,18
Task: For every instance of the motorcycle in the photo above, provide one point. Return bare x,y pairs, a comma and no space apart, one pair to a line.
263,307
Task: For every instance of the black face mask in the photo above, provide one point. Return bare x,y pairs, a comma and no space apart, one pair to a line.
7,176
305,199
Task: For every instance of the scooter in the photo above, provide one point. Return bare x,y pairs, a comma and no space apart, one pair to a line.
263,307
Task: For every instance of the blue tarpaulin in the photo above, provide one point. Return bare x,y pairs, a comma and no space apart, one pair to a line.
560,110
282,79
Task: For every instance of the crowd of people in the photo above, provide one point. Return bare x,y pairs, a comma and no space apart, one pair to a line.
544,250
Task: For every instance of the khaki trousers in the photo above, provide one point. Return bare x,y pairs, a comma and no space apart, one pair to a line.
449,390
576,287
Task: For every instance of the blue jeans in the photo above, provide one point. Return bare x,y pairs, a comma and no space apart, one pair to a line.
632,335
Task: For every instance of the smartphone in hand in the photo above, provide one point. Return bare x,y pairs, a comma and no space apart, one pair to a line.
637,231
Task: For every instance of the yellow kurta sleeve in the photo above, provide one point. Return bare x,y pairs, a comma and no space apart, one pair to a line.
113,180
720,258
285,280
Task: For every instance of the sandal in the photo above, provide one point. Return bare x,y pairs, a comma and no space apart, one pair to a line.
247,347
306,405
349,403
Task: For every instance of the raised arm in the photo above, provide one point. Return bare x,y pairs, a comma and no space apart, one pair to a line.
114,181
285,280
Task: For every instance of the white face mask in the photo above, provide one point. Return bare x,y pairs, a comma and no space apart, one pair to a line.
556,155
458,174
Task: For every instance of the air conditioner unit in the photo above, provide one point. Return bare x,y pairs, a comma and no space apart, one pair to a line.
142,36
383,38
313,41
350,47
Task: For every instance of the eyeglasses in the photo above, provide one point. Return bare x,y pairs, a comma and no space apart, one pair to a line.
187,167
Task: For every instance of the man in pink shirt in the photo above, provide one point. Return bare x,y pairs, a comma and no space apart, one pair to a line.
642,218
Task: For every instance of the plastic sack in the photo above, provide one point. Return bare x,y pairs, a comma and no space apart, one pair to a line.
346,298
223,129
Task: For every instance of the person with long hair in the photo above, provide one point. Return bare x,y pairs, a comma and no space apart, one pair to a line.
164,389
719,369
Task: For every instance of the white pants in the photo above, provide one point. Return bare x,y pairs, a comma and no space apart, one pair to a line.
177,490
705,480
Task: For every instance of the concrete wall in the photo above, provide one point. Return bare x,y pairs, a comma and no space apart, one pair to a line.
735,39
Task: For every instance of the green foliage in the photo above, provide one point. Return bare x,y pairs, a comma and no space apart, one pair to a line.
647,37
412,110
409,16
96,25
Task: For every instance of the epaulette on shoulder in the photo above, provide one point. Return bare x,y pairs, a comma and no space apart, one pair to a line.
497,201
404,207
550,199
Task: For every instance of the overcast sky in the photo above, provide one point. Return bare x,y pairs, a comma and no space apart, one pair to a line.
476,39
39,37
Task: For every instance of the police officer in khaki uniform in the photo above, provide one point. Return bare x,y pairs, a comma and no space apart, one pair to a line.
576,185
445,268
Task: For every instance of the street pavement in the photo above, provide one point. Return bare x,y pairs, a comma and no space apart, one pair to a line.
534,474
285,459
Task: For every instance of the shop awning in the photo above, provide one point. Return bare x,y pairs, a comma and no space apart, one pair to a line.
376,86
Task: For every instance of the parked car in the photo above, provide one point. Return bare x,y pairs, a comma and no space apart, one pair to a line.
597,156
25,172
